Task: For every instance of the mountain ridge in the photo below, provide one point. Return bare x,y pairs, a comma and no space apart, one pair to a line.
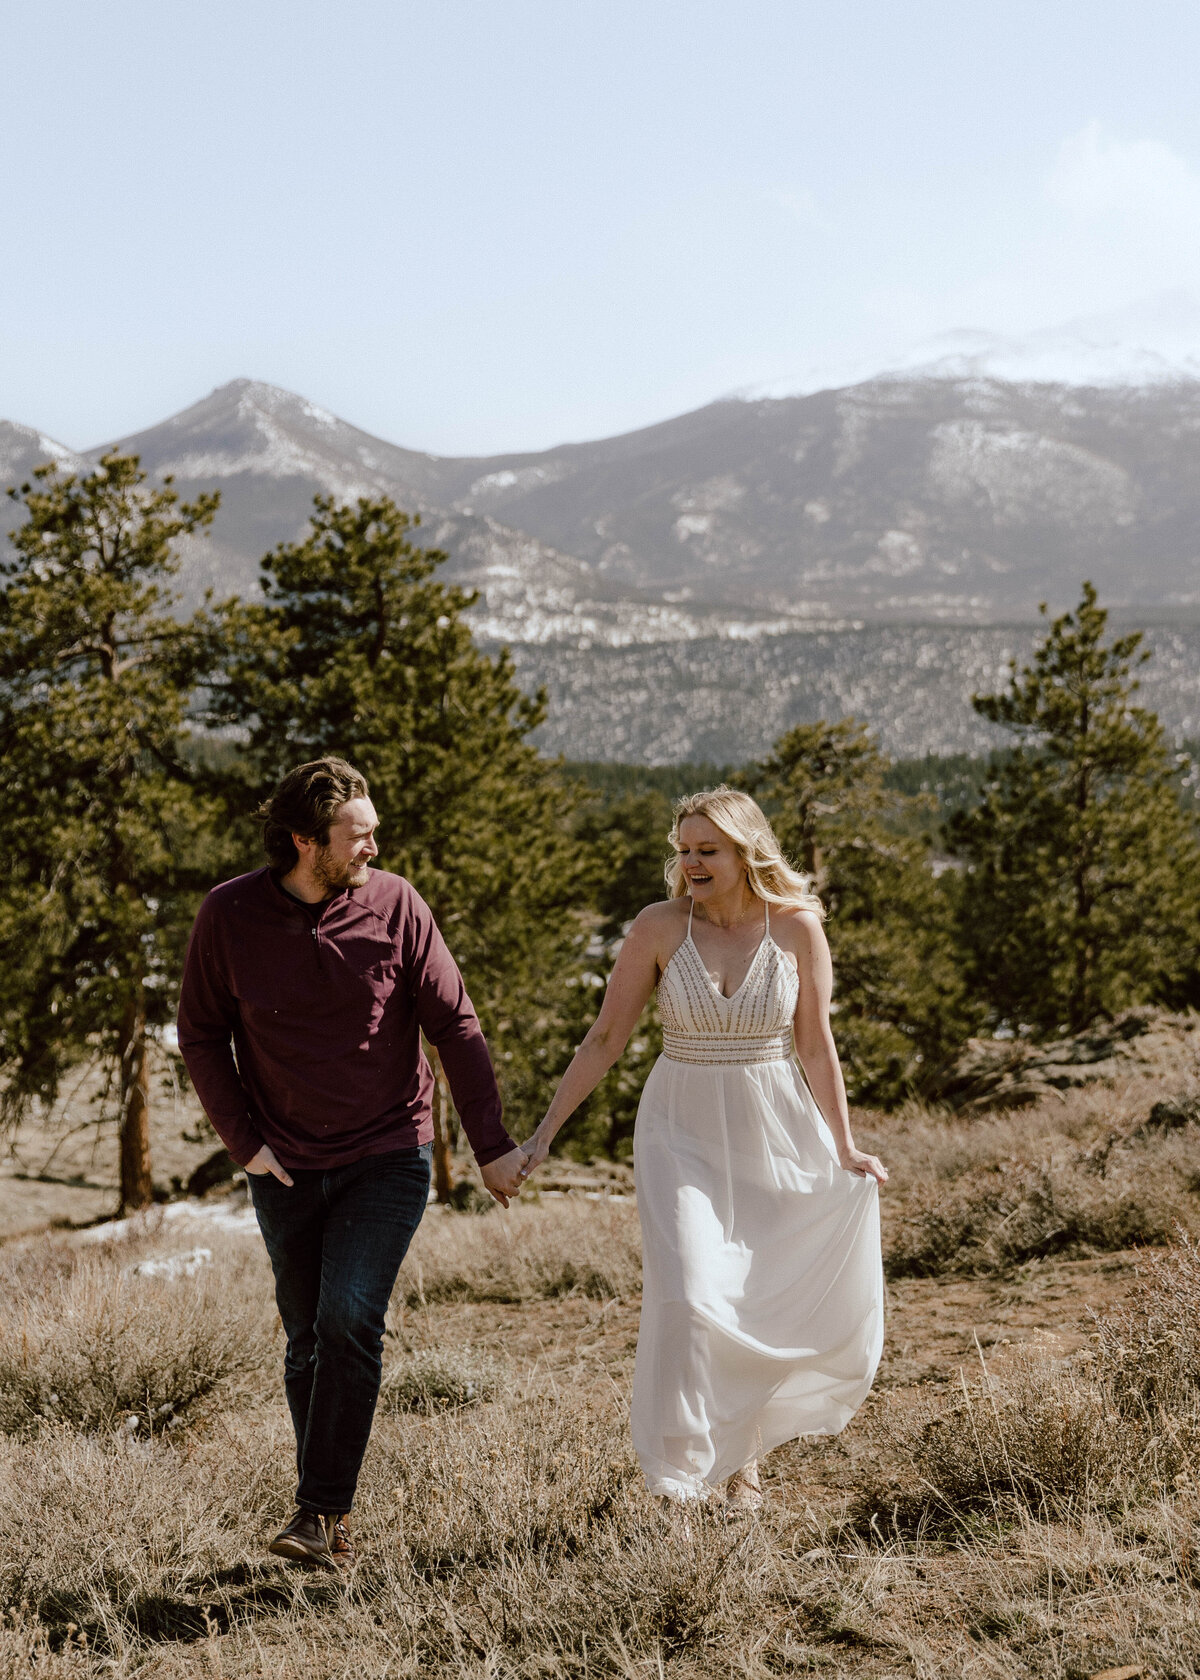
909,503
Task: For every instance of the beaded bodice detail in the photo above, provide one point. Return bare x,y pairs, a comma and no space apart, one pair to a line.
700,1024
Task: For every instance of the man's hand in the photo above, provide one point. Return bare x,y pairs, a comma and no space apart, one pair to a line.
265,1162
502,1177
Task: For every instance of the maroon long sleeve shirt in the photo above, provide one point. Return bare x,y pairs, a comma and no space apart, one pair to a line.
323,1007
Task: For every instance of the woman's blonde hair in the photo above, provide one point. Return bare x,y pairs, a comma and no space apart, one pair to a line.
769,875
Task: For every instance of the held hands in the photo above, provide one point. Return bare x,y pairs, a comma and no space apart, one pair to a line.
507,1177
504,1176
536,1151
265,1162
863,1165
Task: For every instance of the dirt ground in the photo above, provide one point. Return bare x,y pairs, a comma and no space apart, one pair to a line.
935,1326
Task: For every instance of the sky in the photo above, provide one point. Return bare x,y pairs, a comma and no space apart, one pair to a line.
473,226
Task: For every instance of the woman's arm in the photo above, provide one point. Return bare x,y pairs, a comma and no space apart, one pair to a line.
815,1046
633,979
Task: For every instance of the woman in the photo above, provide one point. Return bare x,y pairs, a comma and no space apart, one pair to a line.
762,1302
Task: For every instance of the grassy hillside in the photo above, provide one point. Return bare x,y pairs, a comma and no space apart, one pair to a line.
1016,1498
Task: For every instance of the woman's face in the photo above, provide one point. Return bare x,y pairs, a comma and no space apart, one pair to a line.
710,860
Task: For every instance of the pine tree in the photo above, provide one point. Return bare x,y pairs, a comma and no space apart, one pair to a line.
358,649
1080,892
100,824
900,1009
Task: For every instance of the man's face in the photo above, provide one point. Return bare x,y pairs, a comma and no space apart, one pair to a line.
344,861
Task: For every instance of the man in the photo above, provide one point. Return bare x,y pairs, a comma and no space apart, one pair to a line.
321,974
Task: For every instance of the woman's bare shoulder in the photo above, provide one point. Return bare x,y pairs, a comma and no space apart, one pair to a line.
664,914
795,929
660,927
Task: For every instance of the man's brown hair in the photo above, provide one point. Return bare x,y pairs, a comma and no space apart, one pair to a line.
306,802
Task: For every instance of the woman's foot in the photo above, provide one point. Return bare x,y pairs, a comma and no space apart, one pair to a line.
743,1495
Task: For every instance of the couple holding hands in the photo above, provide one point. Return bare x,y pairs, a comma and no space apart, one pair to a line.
306,990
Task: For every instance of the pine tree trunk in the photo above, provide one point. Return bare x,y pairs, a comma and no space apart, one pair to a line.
1080,1008
137,1187
443,1176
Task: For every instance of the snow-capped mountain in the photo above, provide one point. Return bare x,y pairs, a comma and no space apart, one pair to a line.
269,451
1150,344
910,497
761,559
1154,341
22,448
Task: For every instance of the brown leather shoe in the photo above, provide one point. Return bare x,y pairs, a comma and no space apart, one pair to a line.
341,1547
304,1540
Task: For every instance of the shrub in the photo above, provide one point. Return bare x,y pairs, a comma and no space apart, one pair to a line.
440,1379
98,1346
1001,1215
1040,1435
1048,1434
1148,1348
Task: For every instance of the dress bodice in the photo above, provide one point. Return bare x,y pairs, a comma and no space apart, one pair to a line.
700,1024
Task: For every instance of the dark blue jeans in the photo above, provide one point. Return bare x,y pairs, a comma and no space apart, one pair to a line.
336,1239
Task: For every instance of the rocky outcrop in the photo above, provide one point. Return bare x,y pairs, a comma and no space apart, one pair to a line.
1016,1073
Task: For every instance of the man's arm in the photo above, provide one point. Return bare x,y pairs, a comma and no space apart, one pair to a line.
448,1020
207,1015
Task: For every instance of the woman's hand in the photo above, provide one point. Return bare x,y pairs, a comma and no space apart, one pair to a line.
536,1151
863,1165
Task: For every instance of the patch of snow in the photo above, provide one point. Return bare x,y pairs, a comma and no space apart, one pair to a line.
18,443
1026,476
228,1214
711,495
1153,341
57,451
523,478
173,1266
900,553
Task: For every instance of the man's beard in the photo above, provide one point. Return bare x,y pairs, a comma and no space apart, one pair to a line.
337,877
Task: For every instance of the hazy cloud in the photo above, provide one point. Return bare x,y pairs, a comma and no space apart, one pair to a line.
1096,174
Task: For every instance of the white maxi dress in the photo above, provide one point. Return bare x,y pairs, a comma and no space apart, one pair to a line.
762,1292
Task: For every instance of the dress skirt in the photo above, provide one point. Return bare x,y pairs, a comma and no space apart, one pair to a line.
762,1294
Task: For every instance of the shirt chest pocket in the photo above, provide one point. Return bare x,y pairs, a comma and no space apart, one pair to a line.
365,970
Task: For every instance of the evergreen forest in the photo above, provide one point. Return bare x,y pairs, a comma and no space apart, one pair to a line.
1030,894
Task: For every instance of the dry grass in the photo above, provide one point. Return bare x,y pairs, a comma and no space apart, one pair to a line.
1149,1348
87,1341
537,1251
440,1379
1084,1174
1054,1437
1032,1516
